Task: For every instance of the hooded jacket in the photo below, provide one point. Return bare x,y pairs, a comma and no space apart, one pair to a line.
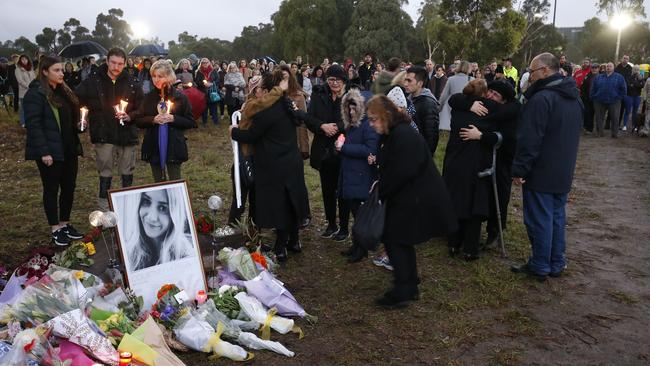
548,135
322,110
361,140
427,117
383,83
99,94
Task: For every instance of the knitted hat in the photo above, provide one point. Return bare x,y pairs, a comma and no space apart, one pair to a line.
504,88
336,71
499,69
396,95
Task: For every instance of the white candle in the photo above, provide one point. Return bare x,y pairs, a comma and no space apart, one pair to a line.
84,114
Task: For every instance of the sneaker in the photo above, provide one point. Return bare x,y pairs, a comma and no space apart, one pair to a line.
624,128
341,236
329,232
382,261
71,232
60,238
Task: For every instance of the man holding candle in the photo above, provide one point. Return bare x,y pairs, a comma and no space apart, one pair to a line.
112,98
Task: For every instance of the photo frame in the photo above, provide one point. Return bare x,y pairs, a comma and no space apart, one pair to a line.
157,239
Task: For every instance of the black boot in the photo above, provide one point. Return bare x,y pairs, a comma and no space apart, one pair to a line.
104,186
357,255
127,180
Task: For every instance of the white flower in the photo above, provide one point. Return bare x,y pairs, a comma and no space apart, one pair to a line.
223,289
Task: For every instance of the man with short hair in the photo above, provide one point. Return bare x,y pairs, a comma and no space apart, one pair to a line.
509,70
429,65
585,90
499,74
585,70
566,65
112,133
607,93
383,83
366,70
426,106
545,159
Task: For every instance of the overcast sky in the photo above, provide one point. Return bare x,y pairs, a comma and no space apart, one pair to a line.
208,18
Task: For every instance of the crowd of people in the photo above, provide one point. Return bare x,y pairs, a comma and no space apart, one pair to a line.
375,126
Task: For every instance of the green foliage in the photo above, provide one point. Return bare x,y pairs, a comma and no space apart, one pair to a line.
212,48
538,36
598,41
111,30
368,31
610,7
47,40
255,41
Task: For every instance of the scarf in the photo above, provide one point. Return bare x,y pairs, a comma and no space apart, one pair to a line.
206,71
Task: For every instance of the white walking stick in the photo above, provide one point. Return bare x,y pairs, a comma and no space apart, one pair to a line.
235,159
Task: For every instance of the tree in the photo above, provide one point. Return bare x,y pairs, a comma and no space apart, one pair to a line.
311,28
26,46
538,36
368,31
598,41
612,7
212,48
72,31
111,30
255,41
47,40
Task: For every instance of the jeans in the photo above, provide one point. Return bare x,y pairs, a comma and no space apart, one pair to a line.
61,177
212,108
631,108
545,219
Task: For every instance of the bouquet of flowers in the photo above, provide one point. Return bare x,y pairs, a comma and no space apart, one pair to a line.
46,299
225,301
200,336
168,309
266,318
204,223
115,325
240,262
76,254
28,346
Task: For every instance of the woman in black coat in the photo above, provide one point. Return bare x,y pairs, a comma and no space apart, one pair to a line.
52,123
505,122
280,191
464,160
152,115
418,206
70,76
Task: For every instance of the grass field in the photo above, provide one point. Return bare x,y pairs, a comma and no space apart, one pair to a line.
461,303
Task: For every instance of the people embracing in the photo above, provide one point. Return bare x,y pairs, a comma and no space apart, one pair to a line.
113,133
164,114
52,123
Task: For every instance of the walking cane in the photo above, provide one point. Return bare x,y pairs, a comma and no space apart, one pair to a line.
491,171
236,116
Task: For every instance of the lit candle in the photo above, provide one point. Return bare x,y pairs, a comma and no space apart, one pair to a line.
84,114
189,85
125,359
169,106
201,297
121,108
341,139
205,82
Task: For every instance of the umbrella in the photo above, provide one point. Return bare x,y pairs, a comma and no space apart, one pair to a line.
148,50
81,49
163,133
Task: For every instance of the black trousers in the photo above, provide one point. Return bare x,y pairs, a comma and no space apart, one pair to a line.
405,271
246,194
468,235
589,116
60,176
329,181
288,235
14,89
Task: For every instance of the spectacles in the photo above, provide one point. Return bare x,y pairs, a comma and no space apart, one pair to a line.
334,80
537,69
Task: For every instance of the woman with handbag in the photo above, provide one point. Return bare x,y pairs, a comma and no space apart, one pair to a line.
233,88
207,80
418,206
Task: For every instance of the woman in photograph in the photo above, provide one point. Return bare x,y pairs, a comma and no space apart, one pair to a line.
52,123
155,225
152,116
418,206
280,191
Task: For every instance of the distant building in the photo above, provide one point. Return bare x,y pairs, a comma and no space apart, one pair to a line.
572,37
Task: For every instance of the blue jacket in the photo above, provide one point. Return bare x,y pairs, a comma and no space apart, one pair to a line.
548,134
608,89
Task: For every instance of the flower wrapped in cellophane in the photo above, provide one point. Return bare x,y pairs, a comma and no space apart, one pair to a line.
46,299
170,305
240,262
268,319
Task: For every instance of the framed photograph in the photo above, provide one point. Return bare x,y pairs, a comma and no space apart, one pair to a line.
157,239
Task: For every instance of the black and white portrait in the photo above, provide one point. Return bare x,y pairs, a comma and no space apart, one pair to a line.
157,236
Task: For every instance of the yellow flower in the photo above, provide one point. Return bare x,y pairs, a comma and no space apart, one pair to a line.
79,275
90,248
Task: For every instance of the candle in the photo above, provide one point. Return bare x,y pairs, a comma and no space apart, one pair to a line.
169,106
125,359
201,297
84,114
341,139
121,108
205,82
189,85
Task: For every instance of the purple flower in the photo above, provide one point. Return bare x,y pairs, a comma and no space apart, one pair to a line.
167,313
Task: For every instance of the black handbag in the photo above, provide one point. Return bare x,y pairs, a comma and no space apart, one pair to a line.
368,226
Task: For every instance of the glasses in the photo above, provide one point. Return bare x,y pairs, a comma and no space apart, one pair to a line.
334,80
537,69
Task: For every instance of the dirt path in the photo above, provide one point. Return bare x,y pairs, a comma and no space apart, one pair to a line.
599,313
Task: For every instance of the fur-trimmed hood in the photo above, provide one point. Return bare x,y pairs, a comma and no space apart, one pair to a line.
352,100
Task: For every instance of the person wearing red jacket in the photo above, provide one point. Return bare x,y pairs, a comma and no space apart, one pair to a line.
580,75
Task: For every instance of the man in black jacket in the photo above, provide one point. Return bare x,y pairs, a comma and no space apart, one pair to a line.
13,82
366,70
426,106
545,159
112,133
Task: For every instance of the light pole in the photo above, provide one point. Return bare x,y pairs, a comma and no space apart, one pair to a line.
620,22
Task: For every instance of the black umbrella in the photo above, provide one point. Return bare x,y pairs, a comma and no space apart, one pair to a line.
148,50
83,48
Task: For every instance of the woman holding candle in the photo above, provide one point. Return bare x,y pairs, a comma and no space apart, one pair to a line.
52,123
207,80
165,109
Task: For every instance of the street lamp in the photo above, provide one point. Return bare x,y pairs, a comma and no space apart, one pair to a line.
140,31
620,22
